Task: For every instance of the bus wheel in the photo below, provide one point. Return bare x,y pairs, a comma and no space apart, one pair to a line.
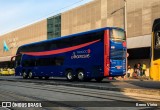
80,75
46,77
30,75
40,77
24,75
99,79
69,75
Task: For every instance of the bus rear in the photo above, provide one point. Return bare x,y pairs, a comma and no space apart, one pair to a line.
115,53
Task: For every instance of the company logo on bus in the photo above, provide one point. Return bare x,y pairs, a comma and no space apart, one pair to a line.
84,51
81,54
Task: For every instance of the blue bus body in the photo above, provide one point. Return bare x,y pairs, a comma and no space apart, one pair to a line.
88,57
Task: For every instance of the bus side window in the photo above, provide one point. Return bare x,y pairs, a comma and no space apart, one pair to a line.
59,61
54,61
157,39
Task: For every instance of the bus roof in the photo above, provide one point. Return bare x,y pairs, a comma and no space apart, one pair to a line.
81,33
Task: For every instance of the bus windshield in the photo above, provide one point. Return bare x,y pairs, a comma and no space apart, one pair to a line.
117,34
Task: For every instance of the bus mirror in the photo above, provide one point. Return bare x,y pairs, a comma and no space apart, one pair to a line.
13,62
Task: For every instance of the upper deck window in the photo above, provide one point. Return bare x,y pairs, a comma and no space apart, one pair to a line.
117,34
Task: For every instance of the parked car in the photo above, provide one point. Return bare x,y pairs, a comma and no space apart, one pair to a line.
4,72
11,71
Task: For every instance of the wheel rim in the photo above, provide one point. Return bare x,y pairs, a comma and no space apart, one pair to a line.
30,74
69,75
80,75
24,74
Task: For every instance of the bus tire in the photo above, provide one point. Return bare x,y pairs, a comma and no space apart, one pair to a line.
40,77
24,75
99,79
46,77
81,75
30,75
69,75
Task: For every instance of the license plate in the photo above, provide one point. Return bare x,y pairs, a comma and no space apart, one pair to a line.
118,67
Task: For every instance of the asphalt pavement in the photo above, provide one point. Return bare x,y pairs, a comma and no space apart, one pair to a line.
53,94
121,85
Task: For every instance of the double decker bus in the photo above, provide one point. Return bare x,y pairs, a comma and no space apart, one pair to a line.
155,49
94,54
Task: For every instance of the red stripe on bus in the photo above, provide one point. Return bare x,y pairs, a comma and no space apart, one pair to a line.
52,52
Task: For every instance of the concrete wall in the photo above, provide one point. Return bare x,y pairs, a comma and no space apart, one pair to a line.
141,14
89,16
101,13
32,33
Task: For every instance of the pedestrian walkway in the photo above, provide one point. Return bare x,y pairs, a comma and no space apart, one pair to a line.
133,78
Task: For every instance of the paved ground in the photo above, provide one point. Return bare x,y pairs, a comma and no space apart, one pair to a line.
72,98
121,83
131,85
